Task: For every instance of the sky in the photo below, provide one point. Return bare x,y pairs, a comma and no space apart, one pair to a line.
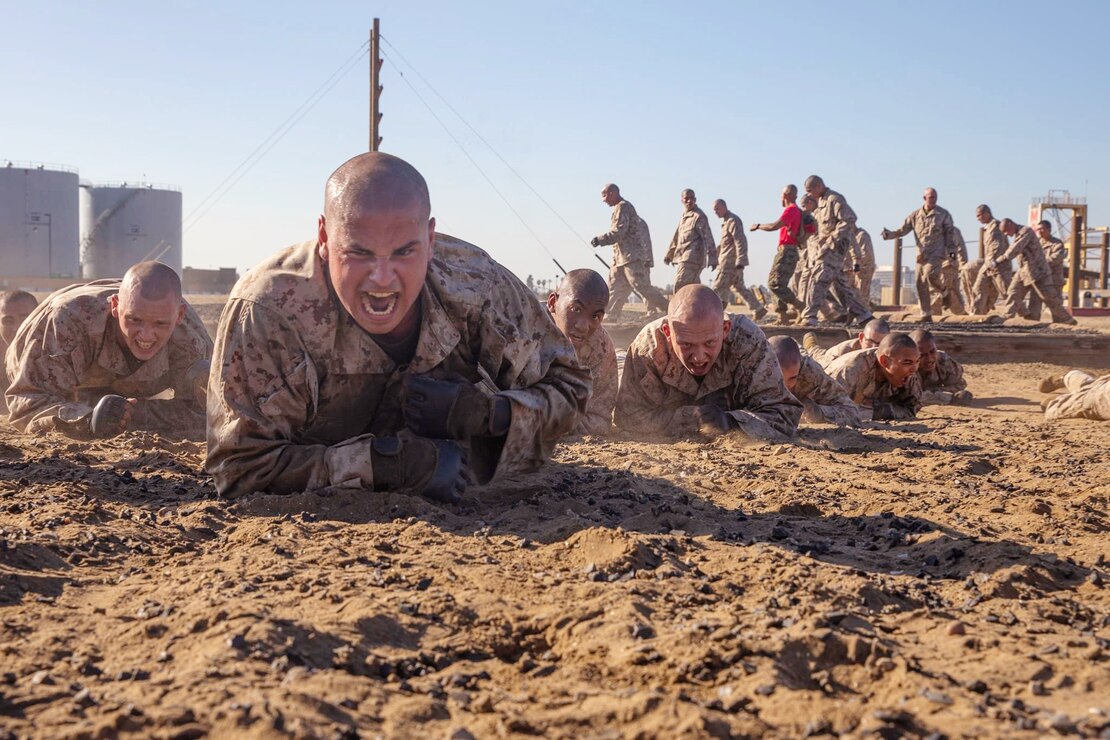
993,102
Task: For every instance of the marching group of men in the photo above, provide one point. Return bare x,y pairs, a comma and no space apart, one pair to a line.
825,261
385,356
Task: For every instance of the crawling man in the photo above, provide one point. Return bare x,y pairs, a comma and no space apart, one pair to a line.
883,379
823,399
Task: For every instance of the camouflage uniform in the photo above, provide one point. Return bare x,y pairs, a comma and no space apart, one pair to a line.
824,357
1033,275
67,356
1055,253
691,245
865,258
950,279
632,260
936,239
823,399
990,286
943,382
3,381
859,373
657,393
1088,398
732,259
299,390
600,357
835,239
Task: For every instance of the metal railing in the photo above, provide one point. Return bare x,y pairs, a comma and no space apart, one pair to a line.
13,164
136,185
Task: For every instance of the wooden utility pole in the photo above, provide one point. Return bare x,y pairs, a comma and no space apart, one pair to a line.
375,87
897,268
1076,251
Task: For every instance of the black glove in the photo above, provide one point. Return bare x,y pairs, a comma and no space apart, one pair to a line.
595,242
108,416
436,469
444,409
712,418
882,411
855,267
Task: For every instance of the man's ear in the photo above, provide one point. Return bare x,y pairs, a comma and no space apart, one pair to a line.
666,328
113,304
322,238
552,299
726,329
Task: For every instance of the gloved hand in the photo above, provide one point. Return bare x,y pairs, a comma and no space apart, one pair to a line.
595,242
713,260
445,409
110,416
882,411
961,398
886,234
667,260
436,469
712,419
855,267
196,377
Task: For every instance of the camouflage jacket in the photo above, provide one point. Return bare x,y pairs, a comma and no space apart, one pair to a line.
733,251
823,399
1055,253
995,243
1092,401
840,349
944,380
692,240
67,356
298,389
836,221
745,380
859,374
629,236
600,357
934,231
1032,265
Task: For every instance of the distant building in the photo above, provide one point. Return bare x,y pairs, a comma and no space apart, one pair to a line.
883,282
220,280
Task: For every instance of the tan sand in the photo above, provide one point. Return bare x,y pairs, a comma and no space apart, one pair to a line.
944,575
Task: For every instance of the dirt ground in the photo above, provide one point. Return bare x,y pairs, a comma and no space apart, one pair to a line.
942,577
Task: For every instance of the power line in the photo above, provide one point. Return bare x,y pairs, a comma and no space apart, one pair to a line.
272,140
472,160
490,146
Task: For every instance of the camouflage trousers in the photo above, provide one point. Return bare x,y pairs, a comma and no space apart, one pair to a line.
862,283
990,286
782,270
689,273
1088,398
633,276
949,294
1042,286
1036,305
829,272
728,278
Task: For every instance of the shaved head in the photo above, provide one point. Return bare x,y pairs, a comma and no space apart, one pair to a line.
17,298
790,359
984,208
896,341
375,182
921,335
719,202
873,332
611,188
813,181
585,285
786,350
694,303
152,280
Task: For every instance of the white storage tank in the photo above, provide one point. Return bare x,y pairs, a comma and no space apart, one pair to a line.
128,223
38,220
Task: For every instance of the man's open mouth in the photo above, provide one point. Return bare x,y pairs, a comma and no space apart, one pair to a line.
144,346
379,305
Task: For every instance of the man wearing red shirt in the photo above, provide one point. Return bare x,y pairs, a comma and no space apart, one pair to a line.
786,259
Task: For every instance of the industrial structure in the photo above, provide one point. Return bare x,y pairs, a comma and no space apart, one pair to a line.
38,221
125,224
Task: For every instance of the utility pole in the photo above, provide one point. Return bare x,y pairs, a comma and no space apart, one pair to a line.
375,87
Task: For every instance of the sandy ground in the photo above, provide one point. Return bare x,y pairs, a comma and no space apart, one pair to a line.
945,575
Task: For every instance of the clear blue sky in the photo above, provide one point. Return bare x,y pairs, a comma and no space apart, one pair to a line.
988,102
